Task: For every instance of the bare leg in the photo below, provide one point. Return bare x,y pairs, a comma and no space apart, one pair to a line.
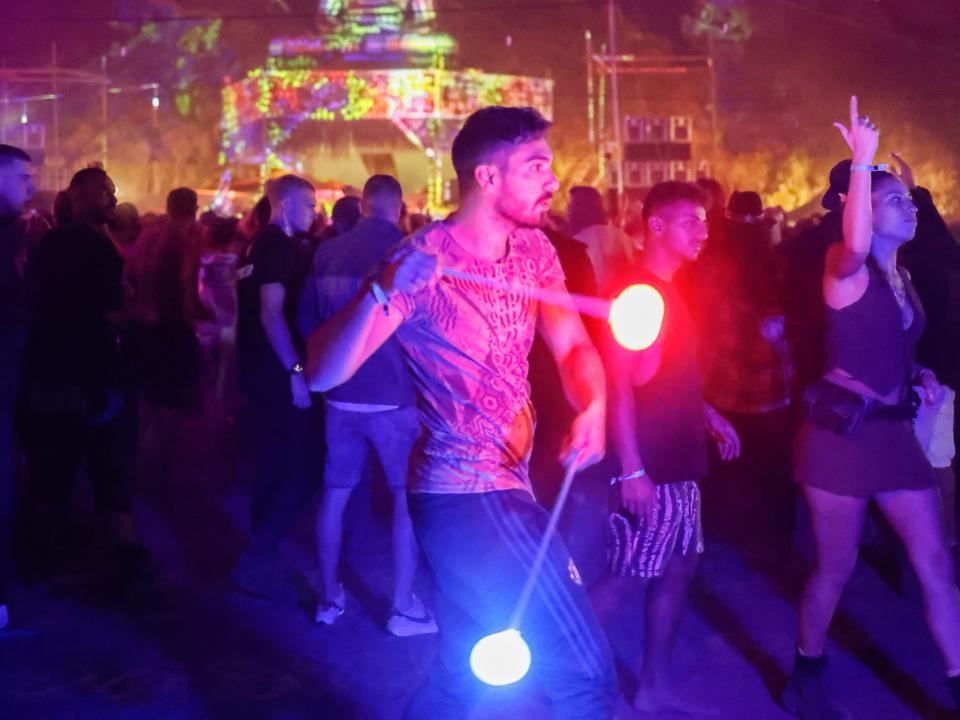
329,538
405,552
947,485
665,603
916,516
837,525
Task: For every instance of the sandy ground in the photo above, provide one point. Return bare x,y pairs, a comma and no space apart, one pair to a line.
185,645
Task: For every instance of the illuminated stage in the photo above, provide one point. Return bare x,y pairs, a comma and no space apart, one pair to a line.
380,65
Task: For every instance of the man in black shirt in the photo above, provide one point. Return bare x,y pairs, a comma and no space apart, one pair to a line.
16,187
72,373
659,424
270,355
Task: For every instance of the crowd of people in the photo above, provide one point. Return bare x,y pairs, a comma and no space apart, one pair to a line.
801,374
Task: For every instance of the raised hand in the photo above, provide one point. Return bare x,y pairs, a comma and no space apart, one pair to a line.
410,270
862,137
903,171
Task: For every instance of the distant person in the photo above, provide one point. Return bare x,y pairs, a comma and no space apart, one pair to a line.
737,304
165,351
73,399
933,260
125,227
270,358
372,413
16,188
345,215
610,248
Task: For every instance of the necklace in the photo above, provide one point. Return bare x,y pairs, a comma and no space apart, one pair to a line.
899,288
895,280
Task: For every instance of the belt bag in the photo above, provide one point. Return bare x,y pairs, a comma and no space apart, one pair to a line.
835,408
840,410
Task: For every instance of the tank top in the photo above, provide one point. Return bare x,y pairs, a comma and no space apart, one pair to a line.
867,339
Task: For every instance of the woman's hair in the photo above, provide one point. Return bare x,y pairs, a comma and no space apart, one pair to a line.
840,184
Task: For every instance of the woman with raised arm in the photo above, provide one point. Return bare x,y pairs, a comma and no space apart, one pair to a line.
857,443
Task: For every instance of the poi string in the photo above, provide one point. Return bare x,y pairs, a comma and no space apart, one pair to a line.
503,657
541,555
635,316
586,304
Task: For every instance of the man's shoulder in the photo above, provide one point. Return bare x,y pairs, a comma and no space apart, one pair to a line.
270,240
356,250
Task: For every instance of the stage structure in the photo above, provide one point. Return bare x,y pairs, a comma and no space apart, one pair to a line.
376,61
636,151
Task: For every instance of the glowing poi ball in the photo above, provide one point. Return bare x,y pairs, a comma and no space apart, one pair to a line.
500,659
636,316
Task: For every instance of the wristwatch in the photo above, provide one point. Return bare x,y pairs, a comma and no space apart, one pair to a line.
296,369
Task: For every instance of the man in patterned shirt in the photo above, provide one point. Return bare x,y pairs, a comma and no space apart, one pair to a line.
466,343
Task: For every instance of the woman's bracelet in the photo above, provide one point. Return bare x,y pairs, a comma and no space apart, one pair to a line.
642,472
864,167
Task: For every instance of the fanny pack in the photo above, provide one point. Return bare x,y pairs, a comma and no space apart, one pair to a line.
832,407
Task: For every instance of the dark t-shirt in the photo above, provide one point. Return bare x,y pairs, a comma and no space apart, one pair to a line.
74,281
274,257
13,310
340,267
670,426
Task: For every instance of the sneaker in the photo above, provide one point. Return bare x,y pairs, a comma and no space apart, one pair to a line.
417,621
329,610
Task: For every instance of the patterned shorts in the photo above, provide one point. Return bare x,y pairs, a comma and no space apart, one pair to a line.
636,548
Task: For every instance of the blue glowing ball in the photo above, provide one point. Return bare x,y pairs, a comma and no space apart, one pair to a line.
500,659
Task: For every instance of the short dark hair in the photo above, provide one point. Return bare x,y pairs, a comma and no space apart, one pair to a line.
667,193
491,129
284,185
181,203
82,177
586,208
346,210
9,153
378,185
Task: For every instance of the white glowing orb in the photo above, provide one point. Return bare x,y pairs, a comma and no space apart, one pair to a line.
636,316
500,659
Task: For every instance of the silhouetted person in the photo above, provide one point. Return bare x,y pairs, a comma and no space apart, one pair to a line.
73,398
374,410
16,188
270,356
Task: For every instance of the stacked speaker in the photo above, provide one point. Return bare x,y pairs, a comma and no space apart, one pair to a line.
656,149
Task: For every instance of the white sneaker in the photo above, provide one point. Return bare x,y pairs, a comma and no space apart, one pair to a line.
417,621
329,610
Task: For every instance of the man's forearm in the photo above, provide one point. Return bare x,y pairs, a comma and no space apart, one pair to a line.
623,431
581,373
278,335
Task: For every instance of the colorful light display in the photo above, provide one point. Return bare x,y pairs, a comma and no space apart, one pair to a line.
373,60
283,99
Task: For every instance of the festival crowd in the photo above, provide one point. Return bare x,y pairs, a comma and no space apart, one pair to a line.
801,387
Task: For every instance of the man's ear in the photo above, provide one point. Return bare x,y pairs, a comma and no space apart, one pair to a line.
486,176
655,225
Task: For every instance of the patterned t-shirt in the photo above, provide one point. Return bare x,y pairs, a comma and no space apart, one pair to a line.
467,344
